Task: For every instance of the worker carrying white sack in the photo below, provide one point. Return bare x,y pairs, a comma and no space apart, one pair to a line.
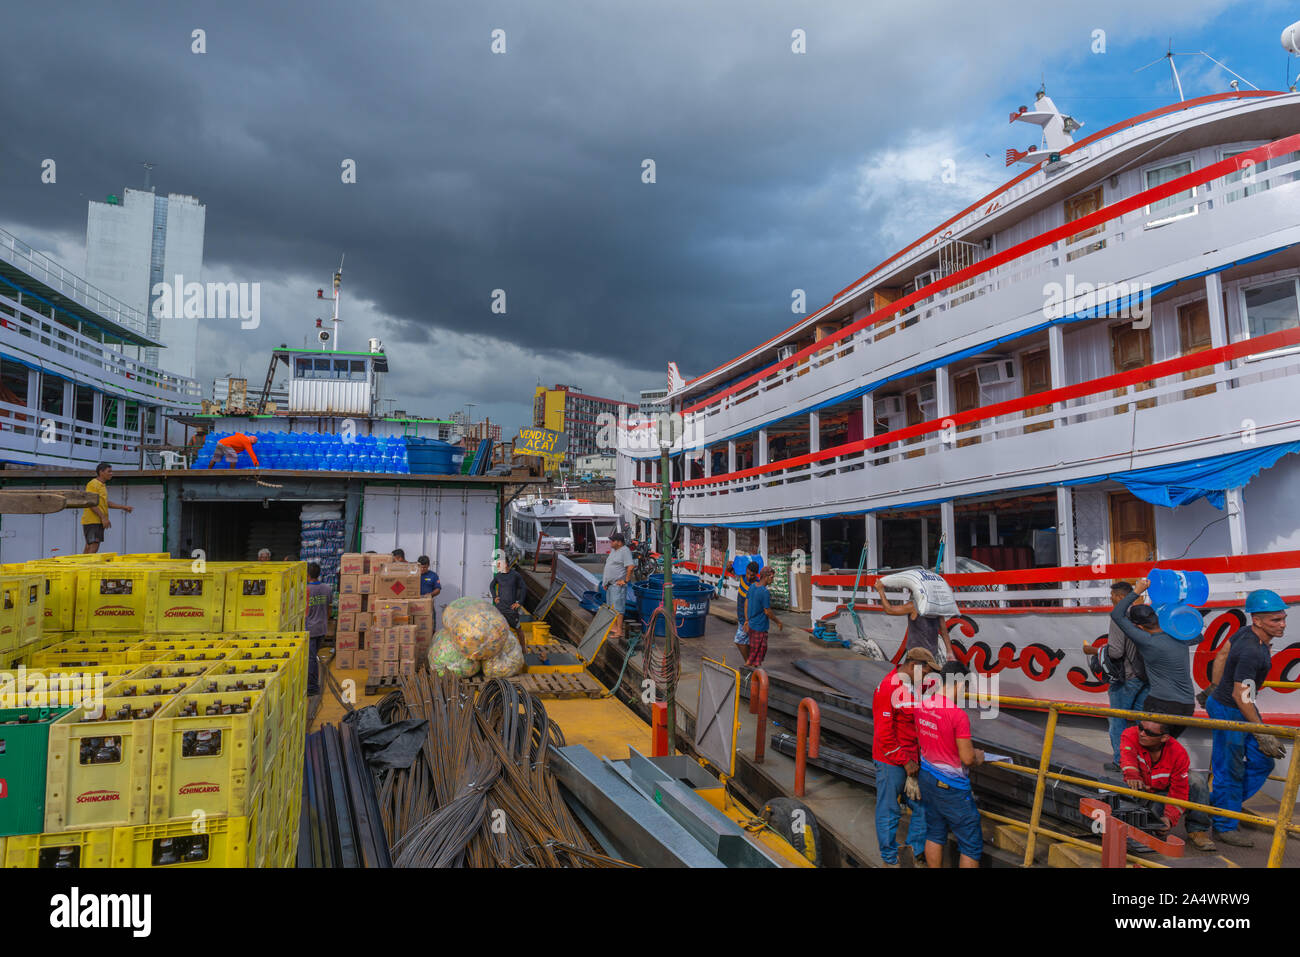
931,603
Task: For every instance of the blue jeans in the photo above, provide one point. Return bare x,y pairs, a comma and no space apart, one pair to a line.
1240,768
313,666
890,779
951,809
1126,697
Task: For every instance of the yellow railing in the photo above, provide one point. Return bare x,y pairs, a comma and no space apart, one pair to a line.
1281,825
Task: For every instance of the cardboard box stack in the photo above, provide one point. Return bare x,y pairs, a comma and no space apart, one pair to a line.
384,625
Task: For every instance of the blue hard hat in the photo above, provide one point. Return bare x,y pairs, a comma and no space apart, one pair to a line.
1264,599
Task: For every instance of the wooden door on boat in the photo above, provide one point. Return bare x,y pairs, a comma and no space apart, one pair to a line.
1077,207
1193,337
1132,529
966,396
1131,349
1036,377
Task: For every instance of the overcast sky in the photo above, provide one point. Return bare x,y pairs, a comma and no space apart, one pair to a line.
523,170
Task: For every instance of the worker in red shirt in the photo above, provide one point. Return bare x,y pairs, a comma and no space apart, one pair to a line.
231,446
1151,760
897,760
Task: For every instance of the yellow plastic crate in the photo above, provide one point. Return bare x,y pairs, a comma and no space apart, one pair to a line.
207,657
72,849
60,601
264,597
163,668
78,654
133,687
208,843
24,688
22,610
296,662
279,669
535,632
117,597
208,763
189,601
212,683
145,557
169,647
97,774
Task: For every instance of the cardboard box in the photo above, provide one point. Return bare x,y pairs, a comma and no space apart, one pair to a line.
347,623
406,649
382,619
378,603
349,604
801,591
352,563
421,651
406,666
363,621
423,629
420,607
403,633
400,580
347,643
365,583
391,651
348,585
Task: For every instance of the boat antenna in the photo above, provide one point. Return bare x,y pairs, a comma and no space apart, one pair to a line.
338,281
1173,69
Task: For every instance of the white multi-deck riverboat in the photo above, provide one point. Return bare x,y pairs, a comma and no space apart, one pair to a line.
74,386
1091,370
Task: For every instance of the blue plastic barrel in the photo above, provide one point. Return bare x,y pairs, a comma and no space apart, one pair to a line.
1178,588
690,581
741,562
690,613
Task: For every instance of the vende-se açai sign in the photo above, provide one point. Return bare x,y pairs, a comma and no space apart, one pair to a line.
541,442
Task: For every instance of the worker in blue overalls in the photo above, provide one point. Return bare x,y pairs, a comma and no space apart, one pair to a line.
1242,762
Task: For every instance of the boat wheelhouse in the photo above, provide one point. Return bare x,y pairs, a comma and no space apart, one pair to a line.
1091,369
565,524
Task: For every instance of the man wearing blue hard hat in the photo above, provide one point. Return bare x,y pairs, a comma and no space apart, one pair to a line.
1242,762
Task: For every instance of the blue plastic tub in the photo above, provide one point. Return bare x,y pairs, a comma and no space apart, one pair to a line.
689,581
692,606
741,562
1180,621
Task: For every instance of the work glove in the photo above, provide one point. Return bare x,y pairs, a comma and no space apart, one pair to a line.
912,788
1204,696
1270,746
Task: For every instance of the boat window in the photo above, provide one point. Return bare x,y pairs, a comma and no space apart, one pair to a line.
323,369
555,529
302,368
605,529
1271,307
1252,178
358,368
1171,206
51,394
84,399
13,382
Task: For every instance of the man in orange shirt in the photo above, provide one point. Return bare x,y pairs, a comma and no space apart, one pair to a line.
231,446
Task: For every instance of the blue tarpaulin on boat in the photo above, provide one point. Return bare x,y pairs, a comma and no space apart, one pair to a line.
1181,484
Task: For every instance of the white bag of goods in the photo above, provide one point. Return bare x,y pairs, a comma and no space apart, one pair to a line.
508,663
476,628
930,593
443,658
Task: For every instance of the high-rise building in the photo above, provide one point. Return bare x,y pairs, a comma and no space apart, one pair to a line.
565,408
652,401
141,240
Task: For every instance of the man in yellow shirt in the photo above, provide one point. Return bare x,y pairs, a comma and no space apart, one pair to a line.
95,519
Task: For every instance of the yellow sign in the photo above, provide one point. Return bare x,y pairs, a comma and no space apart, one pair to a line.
541,442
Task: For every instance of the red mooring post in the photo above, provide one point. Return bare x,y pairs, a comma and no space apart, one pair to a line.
659,729
758,706
809,714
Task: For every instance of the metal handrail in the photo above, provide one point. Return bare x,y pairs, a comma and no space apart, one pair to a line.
808,732
1281,825
758,706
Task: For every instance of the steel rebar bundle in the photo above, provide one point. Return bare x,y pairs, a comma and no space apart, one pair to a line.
479,793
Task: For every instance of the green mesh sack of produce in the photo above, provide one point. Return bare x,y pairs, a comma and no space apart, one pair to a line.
445,659
508,663
476,628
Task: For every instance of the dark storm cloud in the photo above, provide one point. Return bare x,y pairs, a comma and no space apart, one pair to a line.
519,171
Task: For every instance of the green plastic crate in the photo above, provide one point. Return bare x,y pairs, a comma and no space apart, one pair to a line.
24,750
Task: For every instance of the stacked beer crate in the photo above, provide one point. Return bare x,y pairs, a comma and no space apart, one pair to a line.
174,717
384,626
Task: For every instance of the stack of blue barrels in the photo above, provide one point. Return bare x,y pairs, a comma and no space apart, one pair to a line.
432,457
315,452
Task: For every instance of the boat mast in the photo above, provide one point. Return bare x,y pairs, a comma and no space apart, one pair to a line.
338,281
